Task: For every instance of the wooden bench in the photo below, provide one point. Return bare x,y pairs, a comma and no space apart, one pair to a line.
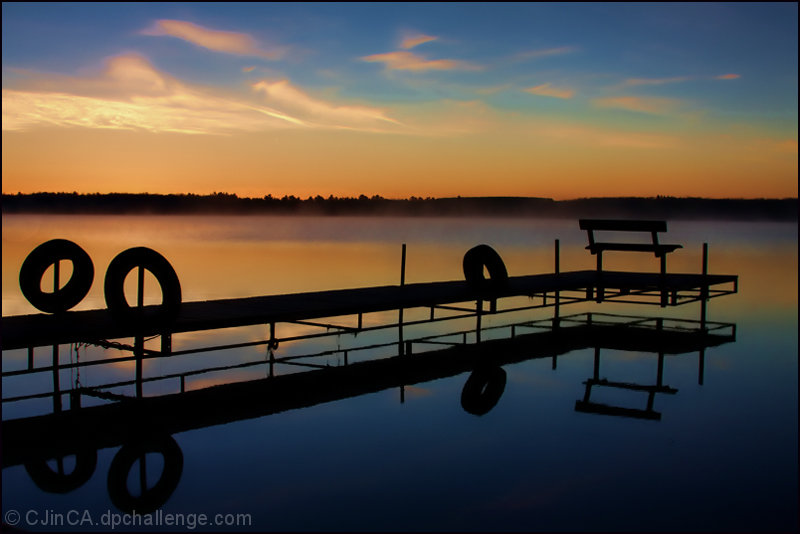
597,248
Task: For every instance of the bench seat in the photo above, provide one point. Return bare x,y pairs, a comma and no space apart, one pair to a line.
658,250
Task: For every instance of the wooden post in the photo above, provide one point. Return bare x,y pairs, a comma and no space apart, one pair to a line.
704,289
478,313
701,364
138,352
400,345
557,309
56,381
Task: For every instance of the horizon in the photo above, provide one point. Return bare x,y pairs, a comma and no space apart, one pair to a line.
376,196
559,101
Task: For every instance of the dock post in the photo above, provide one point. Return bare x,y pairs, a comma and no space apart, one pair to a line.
138,352
704,289
30,358
557,308
701,364
56,380
400,345
478,312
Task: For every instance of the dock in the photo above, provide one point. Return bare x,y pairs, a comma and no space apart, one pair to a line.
38,330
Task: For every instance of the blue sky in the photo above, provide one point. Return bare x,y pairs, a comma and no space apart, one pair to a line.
653,72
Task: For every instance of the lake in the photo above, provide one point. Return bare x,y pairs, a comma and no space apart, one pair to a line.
713,445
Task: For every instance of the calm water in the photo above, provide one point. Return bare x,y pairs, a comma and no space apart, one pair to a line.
723,455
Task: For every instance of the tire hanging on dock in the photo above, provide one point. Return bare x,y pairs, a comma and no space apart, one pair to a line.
158,265
42,257
480,257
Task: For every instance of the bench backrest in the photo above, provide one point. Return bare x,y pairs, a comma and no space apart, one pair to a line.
622,225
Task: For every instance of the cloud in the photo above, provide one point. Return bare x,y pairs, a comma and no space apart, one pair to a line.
220,41
655,81
545,52
284,95
546,89
131,94
652,105
727,77
248,69
402,60
411,41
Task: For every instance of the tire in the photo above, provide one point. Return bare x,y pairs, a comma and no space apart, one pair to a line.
50,481
37,262
483,390
151,499
474,262
157,264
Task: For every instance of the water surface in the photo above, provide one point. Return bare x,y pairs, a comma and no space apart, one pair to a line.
723,455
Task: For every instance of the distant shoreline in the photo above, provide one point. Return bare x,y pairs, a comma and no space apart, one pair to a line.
670,208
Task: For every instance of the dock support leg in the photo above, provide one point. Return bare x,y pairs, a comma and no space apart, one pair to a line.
400,345
663,281
701,366
56,380
557,308
704,289
478,313
138,352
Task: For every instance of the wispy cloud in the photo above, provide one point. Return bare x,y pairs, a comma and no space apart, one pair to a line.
630,82
655,81
131,94
652,105
410,41
220,41
544,52
314,111
402,60
547,89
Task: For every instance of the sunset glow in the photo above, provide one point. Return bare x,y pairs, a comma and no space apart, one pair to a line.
553,100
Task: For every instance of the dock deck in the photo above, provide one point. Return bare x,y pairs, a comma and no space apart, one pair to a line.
25,331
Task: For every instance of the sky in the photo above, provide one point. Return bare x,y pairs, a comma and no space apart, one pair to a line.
524,99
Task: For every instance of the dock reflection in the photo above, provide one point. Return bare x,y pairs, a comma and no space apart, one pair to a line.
143,426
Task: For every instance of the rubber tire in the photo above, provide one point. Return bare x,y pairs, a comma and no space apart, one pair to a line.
474,262
157,264
48,480
153,498
42,257
483,390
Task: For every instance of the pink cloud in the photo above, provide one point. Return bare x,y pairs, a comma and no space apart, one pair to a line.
219,41
727,77
546,89
656,106
402,60
415,40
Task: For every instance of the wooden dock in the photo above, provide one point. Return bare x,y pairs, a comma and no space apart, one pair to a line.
26,331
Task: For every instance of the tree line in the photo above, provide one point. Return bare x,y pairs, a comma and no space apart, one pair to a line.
660,207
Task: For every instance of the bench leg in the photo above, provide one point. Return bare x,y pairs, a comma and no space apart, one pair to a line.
664,296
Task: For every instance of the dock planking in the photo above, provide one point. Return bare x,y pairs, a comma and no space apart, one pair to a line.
37,330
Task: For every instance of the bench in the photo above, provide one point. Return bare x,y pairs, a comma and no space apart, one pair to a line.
597,248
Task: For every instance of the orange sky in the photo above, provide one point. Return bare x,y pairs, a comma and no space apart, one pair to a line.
144,101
